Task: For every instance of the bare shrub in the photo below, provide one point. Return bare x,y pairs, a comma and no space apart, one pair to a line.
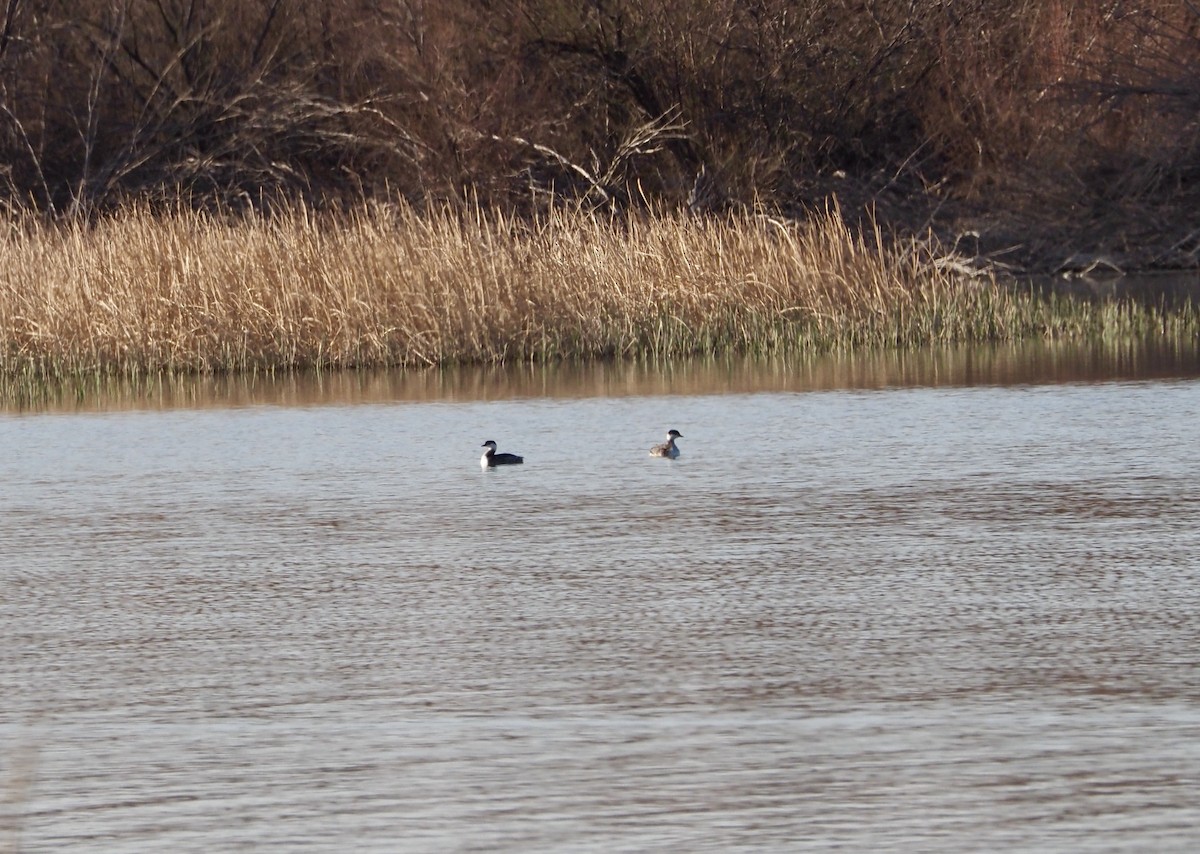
605,104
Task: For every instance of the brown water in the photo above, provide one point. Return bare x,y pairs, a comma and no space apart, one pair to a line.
943,602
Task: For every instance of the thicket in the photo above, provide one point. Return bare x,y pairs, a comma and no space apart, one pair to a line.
521,104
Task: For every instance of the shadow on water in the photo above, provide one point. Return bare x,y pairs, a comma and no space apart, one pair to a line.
1023,363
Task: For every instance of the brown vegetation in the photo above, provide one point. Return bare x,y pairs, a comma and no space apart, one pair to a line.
1038,125
143,293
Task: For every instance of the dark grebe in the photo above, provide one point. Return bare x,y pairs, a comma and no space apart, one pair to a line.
490,458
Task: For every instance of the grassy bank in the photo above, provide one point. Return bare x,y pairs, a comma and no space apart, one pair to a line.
139,294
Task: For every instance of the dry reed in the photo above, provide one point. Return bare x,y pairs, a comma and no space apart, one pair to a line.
139,293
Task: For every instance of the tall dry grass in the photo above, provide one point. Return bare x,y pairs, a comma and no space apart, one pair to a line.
141,293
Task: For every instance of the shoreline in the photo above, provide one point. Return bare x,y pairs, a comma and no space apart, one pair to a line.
1031,237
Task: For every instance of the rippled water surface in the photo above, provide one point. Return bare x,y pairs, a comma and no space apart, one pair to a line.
925,603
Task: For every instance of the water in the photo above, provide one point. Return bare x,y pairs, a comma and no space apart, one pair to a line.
939,602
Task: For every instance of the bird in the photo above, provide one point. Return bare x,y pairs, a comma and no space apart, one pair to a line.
490,458
667,449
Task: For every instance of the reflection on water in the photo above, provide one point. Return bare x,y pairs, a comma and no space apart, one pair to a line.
933,602
995,364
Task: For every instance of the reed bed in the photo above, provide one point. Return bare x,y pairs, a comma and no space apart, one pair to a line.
142,293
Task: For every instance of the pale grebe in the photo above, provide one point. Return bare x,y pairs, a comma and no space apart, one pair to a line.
667,448
490,458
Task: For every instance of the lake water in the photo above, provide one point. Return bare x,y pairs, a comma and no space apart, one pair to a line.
936,602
